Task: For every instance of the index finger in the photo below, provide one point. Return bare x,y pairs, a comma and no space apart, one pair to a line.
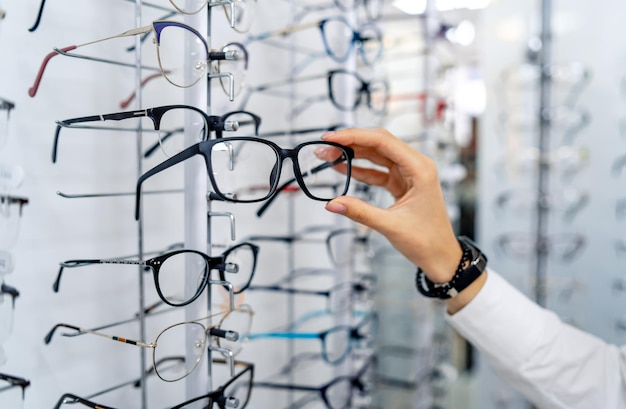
380,140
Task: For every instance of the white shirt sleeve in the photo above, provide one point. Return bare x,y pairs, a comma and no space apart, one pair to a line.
555,365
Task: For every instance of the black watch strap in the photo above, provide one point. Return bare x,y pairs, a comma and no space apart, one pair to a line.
463,277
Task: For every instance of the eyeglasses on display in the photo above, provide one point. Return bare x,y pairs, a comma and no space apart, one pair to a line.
337,342
345,89
338,392
230,333
168,121
11,208
231,73
338,37
169,36
235,165
169,270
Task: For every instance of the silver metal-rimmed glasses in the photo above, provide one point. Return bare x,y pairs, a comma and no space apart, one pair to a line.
169,36
169,270
168,120
338,37
230,334
248,169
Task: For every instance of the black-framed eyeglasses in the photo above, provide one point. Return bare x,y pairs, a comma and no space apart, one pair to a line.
236,164
336,393
169,269
334,32
374,94
6,107
9,383
235,393
11,209
340,297
230,334
169,36
168,120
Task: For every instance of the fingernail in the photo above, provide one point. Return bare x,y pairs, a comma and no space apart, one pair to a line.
328,134
334,207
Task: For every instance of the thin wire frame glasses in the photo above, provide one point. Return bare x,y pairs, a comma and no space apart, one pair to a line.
168,270
168,38
230,334
248,169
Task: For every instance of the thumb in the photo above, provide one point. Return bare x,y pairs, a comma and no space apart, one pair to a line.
357,210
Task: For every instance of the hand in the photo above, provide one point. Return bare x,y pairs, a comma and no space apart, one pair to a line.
417,224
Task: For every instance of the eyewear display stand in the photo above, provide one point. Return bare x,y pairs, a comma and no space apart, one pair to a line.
195,208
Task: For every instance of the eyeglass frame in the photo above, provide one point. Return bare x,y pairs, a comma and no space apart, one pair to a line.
214,123
356,40
204,149
155,263
21,201
219,392
211,330
364,88
353,334
355,382
156,27
14,381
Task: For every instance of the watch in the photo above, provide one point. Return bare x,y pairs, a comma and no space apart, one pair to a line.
465,274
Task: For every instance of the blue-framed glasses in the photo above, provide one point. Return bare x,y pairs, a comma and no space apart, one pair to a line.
337,342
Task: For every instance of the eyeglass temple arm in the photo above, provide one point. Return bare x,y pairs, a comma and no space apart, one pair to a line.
179,157
285,386
38,19
285,185
32,91
282,32
92,118
142,344
71,398
303,131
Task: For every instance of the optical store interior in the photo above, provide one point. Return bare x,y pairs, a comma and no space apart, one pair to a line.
134,276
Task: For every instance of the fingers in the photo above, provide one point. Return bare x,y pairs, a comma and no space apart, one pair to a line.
376,140
358,211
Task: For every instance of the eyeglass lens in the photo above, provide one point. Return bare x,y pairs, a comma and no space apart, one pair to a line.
170,280
176,45
339,394
243,259
355,90
175,340
245,170
173,123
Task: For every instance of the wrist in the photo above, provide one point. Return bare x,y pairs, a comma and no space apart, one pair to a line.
469,268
